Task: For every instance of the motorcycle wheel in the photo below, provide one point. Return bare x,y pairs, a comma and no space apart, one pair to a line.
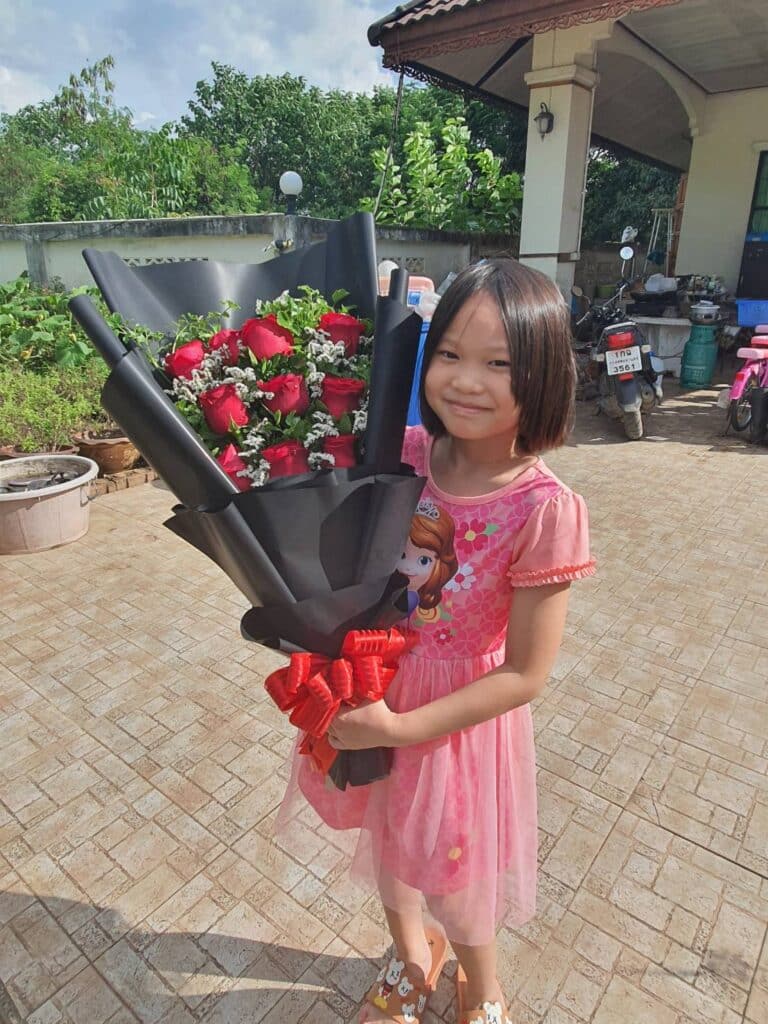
633,425
740,409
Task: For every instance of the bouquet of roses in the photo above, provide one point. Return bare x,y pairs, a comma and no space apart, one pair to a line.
280,434
284,394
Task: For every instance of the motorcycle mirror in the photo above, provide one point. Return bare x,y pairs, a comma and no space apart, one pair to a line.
577,292
626,252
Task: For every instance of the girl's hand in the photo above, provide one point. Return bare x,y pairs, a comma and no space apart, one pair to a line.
370,725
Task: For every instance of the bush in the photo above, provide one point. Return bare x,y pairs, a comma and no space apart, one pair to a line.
40,412
38,331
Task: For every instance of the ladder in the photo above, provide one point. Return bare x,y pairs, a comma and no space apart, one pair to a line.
663,223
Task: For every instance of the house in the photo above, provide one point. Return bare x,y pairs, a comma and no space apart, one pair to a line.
683,83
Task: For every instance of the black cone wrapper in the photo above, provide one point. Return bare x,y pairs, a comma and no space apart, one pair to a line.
313,554
394,362
157,295
342,528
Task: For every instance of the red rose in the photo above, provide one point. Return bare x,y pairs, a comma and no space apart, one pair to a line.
230,461
290,394
185,359
222,407
226,339
342,448
266,338
288,458
341,395
342,327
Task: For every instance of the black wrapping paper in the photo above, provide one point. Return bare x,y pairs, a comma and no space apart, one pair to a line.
314,554
157,295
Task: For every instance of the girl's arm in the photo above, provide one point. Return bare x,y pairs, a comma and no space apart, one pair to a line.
534,634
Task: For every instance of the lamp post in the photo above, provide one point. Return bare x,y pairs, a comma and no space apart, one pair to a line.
291,186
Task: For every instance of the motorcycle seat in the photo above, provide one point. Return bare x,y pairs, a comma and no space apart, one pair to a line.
756,355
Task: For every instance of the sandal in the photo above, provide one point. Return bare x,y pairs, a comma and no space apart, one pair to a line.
488,1013
403,1001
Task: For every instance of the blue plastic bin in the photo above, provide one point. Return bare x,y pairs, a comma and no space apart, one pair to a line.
414,412
752,312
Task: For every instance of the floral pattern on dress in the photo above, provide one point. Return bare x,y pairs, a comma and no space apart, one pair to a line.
487,546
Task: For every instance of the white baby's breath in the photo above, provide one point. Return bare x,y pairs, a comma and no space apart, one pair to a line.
321,460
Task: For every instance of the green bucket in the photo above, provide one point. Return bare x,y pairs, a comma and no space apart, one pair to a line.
699,357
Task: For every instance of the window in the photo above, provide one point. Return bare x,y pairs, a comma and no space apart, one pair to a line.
758,221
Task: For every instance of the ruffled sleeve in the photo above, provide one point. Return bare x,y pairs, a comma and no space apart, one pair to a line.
553,545
415,447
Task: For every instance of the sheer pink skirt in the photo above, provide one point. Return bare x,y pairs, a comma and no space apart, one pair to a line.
454,824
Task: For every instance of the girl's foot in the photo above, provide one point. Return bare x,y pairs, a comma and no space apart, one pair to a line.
403,981
477,1006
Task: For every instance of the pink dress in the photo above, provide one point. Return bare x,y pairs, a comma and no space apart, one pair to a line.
455,822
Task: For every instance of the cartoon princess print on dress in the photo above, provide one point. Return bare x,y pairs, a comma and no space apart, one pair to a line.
429,560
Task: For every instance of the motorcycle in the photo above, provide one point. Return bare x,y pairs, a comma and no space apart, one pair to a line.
629,377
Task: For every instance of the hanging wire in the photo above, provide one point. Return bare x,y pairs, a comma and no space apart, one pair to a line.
390,149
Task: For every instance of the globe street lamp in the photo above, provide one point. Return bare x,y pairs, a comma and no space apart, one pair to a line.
291,186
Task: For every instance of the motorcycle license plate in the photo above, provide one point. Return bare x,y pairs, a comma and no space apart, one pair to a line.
623,360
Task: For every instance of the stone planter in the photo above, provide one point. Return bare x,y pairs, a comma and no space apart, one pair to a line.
50,515
112,452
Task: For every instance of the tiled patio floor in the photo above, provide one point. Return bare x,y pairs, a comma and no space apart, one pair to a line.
141,765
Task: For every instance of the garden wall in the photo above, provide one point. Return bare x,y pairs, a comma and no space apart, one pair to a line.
54,250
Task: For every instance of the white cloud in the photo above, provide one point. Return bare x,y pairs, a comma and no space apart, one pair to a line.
163,49
17,89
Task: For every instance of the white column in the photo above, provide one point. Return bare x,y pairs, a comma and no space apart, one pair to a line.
563,76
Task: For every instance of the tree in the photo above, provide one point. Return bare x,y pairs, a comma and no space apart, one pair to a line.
447,185
621,192
280,123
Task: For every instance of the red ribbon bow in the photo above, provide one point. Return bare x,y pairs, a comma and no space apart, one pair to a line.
313,687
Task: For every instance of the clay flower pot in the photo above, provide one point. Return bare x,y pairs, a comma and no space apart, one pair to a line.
10,451
111,450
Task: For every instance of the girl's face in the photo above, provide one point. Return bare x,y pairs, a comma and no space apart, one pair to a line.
468,381
416,564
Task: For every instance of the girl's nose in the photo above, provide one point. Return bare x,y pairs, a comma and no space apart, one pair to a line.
466,380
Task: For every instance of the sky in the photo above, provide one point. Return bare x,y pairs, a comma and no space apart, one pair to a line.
162,48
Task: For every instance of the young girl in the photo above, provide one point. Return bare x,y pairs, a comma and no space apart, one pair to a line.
454,825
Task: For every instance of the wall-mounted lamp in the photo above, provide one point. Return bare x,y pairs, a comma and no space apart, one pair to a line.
545,120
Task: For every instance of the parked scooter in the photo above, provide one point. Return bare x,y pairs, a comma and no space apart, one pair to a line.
628,376
752,377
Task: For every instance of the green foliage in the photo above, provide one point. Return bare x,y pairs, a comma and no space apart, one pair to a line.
622,192
37,330
456,162
40,412
447,185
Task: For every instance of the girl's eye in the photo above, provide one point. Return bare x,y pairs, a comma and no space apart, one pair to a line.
424,561
446,353
504,363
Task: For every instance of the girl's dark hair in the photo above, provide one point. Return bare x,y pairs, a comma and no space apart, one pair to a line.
537,324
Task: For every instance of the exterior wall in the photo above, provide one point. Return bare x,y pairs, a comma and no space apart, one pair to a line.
51,251
721,183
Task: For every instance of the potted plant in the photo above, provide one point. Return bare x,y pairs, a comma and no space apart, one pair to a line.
39,412
105,442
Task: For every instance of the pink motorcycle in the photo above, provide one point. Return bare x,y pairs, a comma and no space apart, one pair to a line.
752,375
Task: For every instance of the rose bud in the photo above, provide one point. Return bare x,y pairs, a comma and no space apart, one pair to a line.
288,458
222,407
342,327
230,461
266,338
290,394
342,448
226,339
185,359
342,395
